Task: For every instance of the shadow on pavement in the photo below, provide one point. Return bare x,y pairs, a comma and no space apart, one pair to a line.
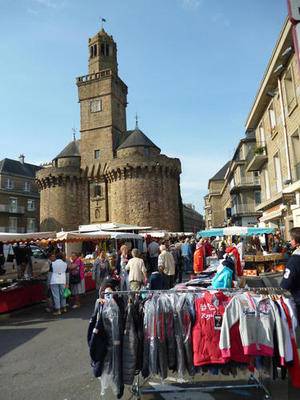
10,340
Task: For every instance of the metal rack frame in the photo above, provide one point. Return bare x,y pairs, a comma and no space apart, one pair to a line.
254,382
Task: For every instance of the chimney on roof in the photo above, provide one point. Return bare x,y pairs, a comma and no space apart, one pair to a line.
21,158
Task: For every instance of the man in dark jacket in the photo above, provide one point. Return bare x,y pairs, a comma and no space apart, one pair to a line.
291,277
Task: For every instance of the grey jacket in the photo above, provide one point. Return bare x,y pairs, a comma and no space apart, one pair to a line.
99,273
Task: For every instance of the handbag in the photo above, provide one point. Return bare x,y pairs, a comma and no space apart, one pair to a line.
75,276
67,293
10,257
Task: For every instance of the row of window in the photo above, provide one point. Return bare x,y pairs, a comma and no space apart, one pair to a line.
30,224
104,50
9,184
13,204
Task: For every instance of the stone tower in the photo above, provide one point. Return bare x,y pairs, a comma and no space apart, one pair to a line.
110,174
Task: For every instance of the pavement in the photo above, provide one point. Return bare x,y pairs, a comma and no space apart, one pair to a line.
45,357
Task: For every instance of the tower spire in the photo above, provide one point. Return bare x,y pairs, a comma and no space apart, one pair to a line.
102,22
136,121
74,134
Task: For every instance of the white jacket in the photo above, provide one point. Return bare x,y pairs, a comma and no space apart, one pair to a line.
257,316
58,276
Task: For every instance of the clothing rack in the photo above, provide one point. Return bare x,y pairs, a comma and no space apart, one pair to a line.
269,290
254,382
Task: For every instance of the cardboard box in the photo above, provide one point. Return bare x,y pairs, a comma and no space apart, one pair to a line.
250,272
249,258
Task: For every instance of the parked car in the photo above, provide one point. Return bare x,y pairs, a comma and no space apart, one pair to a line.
39,261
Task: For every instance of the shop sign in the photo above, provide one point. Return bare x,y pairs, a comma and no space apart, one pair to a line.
289,199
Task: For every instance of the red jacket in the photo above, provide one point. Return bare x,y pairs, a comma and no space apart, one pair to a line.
199,260
236,254
206,335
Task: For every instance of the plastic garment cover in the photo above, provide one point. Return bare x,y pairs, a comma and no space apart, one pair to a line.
97,339
169,336
150,366
183,334
161,326
112,365
130,344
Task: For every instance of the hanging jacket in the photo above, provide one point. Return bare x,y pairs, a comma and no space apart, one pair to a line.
257,316
112,365
150,353
222,279
234,251
96,339
206,331
199,260
130,344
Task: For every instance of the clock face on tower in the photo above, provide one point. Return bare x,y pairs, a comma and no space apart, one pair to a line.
95,106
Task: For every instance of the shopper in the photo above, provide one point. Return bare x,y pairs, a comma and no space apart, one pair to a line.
291,277
175,250
100,270
153,251
166,264
77,268
123,259
58,270
187,255
137,271
199,256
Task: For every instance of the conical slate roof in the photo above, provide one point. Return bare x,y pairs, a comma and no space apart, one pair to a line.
71,150
137,138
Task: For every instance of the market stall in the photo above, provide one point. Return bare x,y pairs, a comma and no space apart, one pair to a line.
17,293
235,230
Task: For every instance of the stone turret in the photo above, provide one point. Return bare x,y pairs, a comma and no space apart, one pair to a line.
63,192
144,184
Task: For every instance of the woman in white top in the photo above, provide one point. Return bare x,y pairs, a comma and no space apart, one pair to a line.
58,271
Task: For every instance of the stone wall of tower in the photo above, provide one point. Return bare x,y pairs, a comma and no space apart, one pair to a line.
145,193
63,199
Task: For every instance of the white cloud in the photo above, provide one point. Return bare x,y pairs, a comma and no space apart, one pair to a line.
196,171
220,18
191,4
49,3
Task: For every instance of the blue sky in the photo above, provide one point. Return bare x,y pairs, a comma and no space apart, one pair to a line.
192,68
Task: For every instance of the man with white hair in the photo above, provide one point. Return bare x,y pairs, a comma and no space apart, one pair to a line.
166,264
137,271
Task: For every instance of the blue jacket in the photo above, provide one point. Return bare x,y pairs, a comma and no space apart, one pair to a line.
291,276
223,279
186,250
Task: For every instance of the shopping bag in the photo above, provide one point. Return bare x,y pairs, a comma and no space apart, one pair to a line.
67,293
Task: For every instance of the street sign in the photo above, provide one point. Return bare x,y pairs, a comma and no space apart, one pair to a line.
294,11
289,199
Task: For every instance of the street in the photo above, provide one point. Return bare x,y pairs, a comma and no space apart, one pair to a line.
43,357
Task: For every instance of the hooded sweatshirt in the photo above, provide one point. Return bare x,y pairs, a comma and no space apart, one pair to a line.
222,279
258,316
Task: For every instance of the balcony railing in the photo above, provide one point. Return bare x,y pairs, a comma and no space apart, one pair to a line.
6,208
244,182
256,157
243,209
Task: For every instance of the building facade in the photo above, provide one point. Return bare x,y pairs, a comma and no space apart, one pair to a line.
19,196
192,220
244,186
110,174
215,217
275,118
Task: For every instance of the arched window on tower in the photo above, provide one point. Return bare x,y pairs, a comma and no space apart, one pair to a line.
107,50
92,51
95,50
102,49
